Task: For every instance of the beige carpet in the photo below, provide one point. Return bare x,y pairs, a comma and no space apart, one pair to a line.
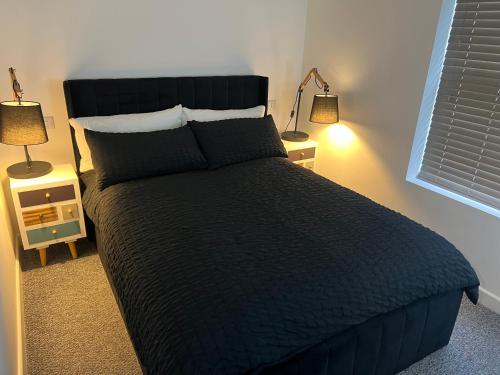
72,322
73,325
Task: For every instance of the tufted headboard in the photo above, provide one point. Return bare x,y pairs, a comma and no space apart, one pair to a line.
104,97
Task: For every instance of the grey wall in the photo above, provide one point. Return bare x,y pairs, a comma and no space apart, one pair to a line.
376,54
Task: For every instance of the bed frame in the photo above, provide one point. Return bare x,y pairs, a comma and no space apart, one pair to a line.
106,97
385,344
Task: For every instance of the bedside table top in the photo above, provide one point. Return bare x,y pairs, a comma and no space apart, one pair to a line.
60,173
291,146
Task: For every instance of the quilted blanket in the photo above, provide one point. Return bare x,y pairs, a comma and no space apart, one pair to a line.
227,270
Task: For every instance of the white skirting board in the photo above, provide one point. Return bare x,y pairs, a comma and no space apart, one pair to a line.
489,300
21,352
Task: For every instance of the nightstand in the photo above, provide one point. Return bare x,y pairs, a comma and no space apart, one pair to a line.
302,153
49,210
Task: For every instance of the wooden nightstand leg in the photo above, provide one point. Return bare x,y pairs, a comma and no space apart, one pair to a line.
43,255
72,249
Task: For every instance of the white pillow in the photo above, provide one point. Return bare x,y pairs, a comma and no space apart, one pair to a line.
83,147
132,123
215,115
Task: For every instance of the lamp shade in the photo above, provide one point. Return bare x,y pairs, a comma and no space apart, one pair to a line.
325,109
21,123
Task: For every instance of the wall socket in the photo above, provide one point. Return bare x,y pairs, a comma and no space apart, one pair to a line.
49,122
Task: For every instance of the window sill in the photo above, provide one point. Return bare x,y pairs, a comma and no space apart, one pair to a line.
452,195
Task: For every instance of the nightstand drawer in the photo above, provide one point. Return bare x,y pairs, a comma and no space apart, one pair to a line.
40,216
53,232
70,212
43,196
306,153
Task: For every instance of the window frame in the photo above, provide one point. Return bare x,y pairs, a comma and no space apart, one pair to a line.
427,107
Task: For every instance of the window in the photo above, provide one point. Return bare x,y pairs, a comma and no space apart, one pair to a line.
456,149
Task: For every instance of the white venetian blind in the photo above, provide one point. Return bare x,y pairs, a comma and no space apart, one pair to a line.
462,153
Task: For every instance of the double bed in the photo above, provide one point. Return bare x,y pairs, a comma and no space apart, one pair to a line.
261,266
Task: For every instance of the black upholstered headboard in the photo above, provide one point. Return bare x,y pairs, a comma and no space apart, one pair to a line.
103,97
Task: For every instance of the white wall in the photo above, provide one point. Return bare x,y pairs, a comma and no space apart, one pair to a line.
375,54
8,295
50,41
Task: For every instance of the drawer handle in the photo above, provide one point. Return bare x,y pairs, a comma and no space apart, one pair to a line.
41,217
47,195
70,211
54,232
302,155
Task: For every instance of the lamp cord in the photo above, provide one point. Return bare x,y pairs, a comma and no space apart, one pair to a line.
317,84
292,113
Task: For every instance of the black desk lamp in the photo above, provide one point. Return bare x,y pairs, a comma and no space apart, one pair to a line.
324,110
21,124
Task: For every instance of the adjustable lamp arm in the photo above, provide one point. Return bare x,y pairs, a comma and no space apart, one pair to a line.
16,87
314,73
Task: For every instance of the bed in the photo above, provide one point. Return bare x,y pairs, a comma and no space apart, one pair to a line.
262,267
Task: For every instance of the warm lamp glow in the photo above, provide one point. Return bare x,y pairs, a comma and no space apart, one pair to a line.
340,136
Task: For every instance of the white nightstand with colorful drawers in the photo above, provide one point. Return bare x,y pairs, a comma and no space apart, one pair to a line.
49,210
302,153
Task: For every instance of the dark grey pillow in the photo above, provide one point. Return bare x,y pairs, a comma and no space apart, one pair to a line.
232,141
119,157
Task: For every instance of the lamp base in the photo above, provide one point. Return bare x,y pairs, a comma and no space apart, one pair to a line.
21,170
294,136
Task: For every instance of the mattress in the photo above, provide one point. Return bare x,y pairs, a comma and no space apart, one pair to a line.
239,269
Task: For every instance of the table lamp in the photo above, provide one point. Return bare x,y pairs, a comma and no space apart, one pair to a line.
324,110
22,124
